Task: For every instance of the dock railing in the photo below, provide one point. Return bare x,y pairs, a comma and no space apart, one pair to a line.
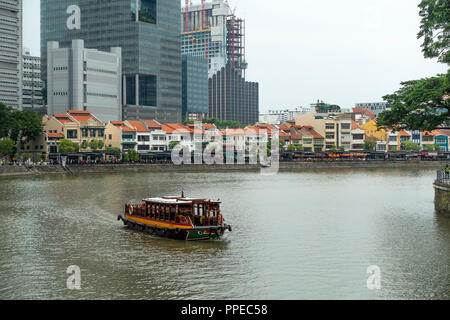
443,177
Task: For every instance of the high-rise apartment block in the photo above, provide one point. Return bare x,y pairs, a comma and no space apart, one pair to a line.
148,31
32,96
83,79
11,53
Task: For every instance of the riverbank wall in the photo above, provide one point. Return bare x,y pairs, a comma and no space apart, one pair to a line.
442,198
8,171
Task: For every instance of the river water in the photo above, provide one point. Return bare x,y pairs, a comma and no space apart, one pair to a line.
308,235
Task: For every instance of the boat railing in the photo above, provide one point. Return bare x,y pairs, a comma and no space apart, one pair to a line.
443,177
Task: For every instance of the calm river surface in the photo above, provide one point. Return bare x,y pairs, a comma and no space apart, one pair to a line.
308,235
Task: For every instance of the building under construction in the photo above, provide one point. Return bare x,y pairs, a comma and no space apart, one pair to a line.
212,30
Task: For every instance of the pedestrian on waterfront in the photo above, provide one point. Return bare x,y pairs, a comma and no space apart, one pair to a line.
447,171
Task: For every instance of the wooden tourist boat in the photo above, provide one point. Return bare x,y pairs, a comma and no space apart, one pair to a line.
177,218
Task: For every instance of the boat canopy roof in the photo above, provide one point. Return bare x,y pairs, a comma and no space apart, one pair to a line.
167,201
178,200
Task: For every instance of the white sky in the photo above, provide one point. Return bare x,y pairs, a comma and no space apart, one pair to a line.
300,51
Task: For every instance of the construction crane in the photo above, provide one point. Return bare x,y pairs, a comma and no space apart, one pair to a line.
232,25
203,15
186,17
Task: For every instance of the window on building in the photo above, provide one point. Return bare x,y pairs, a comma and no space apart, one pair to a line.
146,10
72,134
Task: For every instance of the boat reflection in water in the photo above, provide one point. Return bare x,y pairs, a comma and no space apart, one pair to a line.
178,218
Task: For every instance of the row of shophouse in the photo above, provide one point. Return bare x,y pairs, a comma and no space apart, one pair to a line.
392,141
308,133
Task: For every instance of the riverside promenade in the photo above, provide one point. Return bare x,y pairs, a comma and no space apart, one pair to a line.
20,170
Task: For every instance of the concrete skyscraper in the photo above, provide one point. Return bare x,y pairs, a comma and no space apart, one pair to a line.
11,53
148,31
84,80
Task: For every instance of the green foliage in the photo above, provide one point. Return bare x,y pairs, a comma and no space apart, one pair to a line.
14,121
431,147
113,149
66,146
96,145
131,155
418,105
282,144
435,29
6,147
421,104
369,145
173,144
293,147
146,16
410,146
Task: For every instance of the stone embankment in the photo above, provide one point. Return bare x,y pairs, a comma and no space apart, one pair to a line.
8,170
442,193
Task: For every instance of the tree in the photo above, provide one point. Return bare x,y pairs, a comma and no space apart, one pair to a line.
435,29
14,121
369,145
173,144
131,155
425,104
6,147
96,145
66,146
418,105
113,149
293,147
431,147
410,146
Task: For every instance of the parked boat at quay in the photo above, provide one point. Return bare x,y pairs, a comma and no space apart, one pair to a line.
180,218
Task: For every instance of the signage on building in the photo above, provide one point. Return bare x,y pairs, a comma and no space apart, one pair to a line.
74,20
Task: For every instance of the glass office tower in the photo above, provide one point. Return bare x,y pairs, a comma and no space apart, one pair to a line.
195,87
148,31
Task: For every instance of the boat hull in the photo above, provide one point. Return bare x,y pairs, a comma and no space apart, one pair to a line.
177,232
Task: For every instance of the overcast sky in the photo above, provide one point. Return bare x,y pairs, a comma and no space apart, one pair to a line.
342,52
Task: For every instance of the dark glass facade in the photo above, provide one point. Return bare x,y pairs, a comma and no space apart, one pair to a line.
195,86
233,98
150,46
